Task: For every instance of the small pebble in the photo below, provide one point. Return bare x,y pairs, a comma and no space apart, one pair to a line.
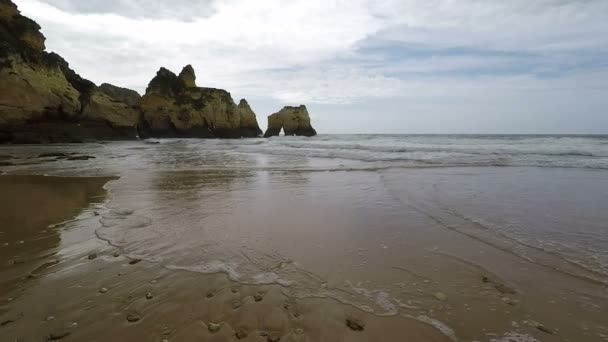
258,297
544,329
58,336
149,295
50,318
236,304
103,290
133,317
7,322
92,256
354,324
441,296
509,301
241,334
209,295
116,254
504,289
273,338
213,327
134,261
299,331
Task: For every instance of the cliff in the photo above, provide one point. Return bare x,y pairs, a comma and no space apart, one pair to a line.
174,106
292,120
42,100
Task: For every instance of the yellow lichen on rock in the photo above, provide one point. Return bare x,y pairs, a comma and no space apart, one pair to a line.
188,76
43,100
27,92
173,107
292,120
104,108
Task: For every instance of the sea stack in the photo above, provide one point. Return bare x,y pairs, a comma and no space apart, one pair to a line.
292,120
174,106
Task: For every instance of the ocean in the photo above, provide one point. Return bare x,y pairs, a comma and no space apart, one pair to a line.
380,222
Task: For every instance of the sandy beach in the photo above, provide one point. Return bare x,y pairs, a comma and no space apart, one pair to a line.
303,171
97,294
206,240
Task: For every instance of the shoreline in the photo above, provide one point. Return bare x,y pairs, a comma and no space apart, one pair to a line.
366,241
33,209
94,286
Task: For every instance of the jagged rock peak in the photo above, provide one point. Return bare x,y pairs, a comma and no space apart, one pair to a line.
292,120
244,104
165,83
249,123
174,106
188,76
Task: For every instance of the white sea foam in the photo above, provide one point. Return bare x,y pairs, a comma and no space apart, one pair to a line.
514,337
231,270
442,327
379,297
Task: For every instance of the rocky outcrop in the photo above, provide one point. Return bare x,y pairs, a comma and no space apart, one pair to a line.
42,100
249,123
188,76
124,95
174,106
292,120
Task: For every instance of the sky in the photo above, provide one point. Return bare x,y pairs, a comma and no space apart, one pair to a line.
360,66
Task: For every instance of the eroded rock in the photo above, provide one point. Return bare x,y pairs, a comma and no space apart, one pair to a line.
42,100
292,120
174,106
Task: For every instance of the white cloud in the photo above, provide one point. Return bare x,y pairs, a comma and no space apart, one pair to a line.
310,51
239,37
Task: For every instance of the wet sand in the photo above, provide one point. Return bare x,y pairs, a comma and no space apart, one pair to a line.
29,205
86,290
310,250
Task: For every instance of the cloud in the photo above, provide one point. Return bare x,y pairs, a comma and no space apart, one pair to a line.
337,52
237,38
181,9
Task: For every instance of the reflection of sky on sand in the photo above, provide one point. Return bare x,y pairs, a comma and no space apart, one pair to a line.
380,239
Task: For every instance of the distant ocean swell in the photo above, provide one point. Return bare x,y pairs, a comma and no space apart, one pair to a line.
448,150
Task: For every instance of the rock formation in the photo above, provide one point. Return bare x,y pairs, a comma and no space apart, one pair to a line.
43,100
188,76
174,106
293,121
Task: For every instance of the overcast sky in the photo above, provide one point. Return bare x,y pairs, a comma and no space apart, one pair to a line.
361,66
